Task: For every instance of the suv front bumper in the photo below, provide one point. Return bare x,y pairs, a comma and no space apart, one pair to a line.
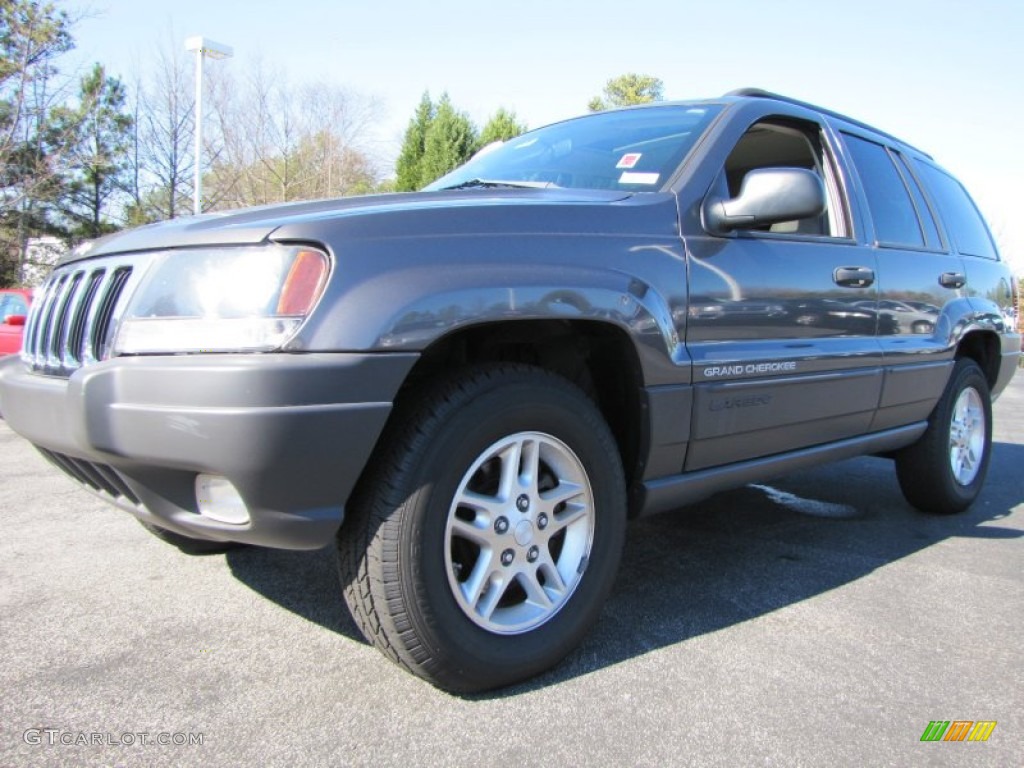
291,432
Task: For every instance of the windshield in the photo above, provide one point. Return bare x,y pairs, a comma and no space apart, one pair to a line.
633,150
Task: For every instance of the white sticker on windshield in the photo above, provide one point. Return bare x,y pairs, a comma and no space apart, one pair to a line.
629,160
632,177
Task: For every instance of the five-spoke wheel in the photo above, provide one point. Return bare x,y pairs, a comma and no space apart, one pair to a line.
967,433
480,549
519,532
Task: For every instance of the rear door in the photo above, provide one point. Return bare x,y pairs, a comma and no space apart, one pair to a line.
781,323
922,283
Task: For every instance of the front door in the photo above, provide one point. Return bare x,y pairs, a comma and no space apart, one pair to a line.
782,324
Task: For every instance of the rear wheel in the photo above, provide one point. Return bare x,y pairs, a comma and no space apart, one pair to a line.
943,472
482,547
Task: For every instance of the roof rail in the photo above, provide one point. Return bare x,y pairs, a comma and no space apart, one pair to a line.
760,93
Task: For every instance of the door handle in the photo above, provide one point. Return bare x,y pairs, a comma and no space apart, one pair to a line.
853,277
952,279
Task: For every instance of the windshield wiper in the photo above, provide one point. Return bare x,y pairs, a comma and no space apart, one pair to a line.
497,184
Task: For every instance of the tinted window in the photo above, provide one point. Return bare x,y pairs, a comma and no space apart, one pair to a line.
963,222
787,143
891,208
924,212
633,150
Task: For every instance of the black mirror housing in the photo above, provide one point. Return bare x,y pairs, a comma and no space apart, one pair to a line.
767,196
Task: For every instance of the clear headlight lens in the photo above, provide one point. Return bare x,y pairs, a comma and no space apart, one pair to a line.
223,300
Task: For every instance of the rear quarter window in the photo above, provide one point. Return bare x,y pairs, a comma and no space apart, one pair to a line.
964,223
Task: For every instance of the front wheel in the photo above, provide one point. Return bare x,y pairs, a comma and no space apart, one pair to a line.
943,472
482,547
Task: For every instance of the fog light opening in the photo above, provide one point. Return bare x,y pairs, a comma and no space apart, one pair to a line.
219,500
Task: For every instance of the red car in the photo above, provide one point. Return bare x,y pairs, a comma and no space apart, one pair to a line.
14,303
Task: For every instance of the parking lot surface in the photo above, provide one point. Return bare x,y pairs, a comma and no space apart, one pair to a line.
814,620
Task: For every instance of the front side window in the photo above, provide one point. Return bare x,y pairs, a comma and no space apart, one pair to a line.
889,202
787,143
631,150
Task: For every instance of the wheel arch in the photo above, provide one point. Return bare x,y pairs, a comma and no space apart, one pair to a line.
983,347
600,358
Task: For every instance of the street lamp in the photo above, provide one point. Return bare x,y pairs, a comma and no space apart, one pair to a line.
202,47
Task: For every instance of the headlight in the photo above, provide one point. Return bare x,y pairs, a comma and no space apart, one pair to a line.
223,300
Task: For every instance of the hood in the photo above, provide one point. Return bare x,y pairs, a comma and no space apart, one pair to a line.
249,226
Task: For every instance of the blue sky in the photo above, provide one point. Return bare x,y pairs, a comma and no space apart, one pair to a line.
945,76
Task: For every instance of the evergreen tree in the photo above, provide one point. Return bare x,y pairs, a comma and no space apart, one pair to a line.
450,142
408,167
98,160
627,90
501,127
32,35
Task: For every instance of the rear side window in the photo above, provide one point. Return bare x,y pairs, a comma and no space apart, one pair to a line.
889,202
963,222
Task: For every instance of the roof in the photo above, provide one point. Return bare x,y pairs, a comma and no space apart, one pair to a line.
759,93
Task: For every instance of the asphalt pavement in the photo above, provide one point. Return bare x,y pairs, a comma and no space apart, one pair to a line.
816,620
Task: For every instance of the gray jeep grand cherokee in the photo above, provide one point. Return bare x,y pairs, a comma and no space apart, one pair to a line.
472,388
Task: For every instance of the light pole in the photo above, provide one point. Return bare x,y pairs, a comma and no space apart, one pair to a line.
202,47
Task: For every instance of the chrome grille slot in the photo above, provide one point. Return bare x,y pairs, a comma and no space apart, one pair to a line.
46,329
33,324
74,320
76,335
60,326
105,313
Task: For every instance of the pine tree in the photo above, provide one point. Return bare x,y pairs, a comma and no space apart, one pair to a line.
33,35
408,167
501,127
450,142
440,138
627,90
98,161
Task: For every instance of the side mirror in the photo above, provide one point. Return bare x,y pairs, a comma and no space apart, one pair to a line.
15,320
767,196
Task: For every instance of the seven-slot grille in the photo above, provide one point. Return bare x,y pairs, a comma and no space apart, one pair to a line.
73,318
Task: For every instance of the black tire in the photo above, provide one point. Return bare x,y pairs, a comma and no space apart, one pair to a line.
401,557
189,545
926,468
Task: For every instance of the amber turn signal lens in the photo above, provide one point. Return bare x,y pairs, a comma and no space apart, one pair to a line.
304,283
